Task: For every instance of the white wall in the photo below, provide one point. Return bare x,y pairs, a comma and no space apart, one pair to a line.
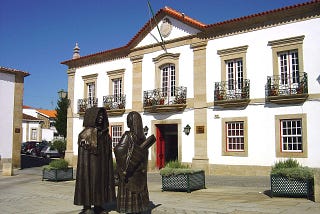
47,134
7,82
261,117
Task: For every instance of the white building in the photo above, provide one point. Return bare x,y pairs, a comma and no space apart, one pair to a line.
247,87
11,95
38,124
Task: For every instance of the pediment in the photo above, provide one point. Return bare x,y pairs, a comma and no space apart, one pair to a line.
169,28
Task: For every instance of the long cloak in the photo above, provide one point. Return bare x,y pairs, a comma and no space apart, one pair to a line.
95,175
133,195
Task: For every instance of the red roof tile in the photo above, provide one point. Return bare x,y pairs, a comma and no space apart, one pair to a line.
49,113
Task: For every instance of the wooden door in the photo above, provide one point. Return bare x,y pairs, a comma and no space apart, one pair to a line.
160,149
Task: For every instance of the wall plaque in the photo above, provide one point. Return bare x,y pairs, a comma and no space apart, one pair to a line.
199,129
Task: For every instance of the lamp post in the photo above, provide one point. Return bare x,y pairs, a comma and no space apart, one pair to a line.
62,94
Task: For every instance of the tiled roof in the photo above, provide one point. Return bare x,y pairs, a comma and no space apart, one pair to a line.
13,71
263,13
30,118
125,50
49,113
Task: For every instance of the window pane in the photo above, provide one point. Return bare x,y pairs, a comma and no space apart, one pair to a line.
291,135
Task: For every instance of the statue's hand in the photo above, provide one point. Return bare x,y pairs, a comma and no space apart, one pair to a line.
84,144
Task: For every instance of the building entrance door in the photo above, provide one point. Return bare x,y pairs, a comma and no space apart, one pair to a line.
167,143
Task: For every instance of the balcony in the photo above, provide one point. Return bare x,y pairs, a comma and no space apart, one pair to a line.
115,104
232,94
165,100
287,90
84,104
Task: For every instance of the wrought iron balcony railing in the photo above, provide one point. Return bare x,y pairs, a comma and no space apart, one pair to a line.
232,90
84,104
163,96
281,85
114,102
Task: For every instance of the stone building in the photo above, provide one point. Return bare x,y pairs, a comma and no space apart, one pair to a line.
231,97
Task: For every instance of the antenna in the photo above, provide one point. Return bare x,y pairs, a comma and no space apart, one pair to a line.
153,17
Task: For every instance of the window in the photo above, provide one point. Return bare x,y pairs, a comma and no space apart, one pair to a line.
289,67
34,134
168,80
287,58
117,90
116,133
234,136
116,83
233,65
291,135
91,93
90,85
234,74
167,72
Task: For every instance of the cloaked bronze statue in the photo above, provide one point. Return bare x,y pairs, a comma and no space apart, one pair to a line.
132,158
95,177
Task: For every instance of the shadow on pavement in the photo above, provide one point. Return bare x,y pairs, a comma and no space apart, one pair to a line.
28,161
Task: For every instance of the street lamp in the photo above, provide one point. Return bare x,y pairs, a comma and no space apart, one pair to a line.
62,94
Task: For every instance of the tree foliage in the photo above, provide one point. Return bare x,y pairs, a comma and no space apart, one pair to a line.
61,116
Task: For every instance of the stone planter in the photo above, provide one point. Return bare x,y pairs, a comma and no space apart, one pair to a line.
57,174
184,182
282,186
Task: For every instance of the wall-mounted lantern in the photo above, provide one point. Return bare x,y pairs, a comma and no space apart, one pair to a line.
145,130
186,129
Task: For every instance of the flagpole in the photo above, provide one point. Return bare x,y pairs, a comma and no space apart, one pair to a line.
163,45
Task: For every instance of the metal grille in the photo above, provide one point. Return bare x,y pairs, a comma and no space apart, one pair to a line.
184,182
290,187
57,174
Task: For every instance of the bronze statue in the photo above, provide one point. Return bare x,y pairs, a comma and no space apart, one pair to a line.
95,177
132,158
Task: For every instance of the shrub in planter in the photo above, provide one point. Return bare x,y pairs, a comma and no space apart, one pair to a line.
179,177
289,178
58,170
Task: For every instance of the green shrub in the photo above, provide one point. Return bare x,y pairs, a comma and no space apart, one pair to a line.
289,163
60,145
176,164
176,168
291,169
58,164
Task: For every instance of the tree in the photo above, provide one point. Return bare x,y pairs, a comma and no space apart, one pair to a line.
61,116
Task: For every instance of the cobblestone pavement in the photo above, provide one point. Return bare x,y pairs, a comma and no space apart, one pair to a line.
25,192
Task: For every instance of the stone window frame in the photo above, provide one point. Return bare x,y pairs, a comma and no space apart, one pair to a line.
287,44
225,152
162,60
232,54
115,124
92,78
115,74
288,154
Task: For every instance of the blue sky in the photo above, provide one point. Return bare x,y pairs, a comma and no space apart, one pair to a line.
37,35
